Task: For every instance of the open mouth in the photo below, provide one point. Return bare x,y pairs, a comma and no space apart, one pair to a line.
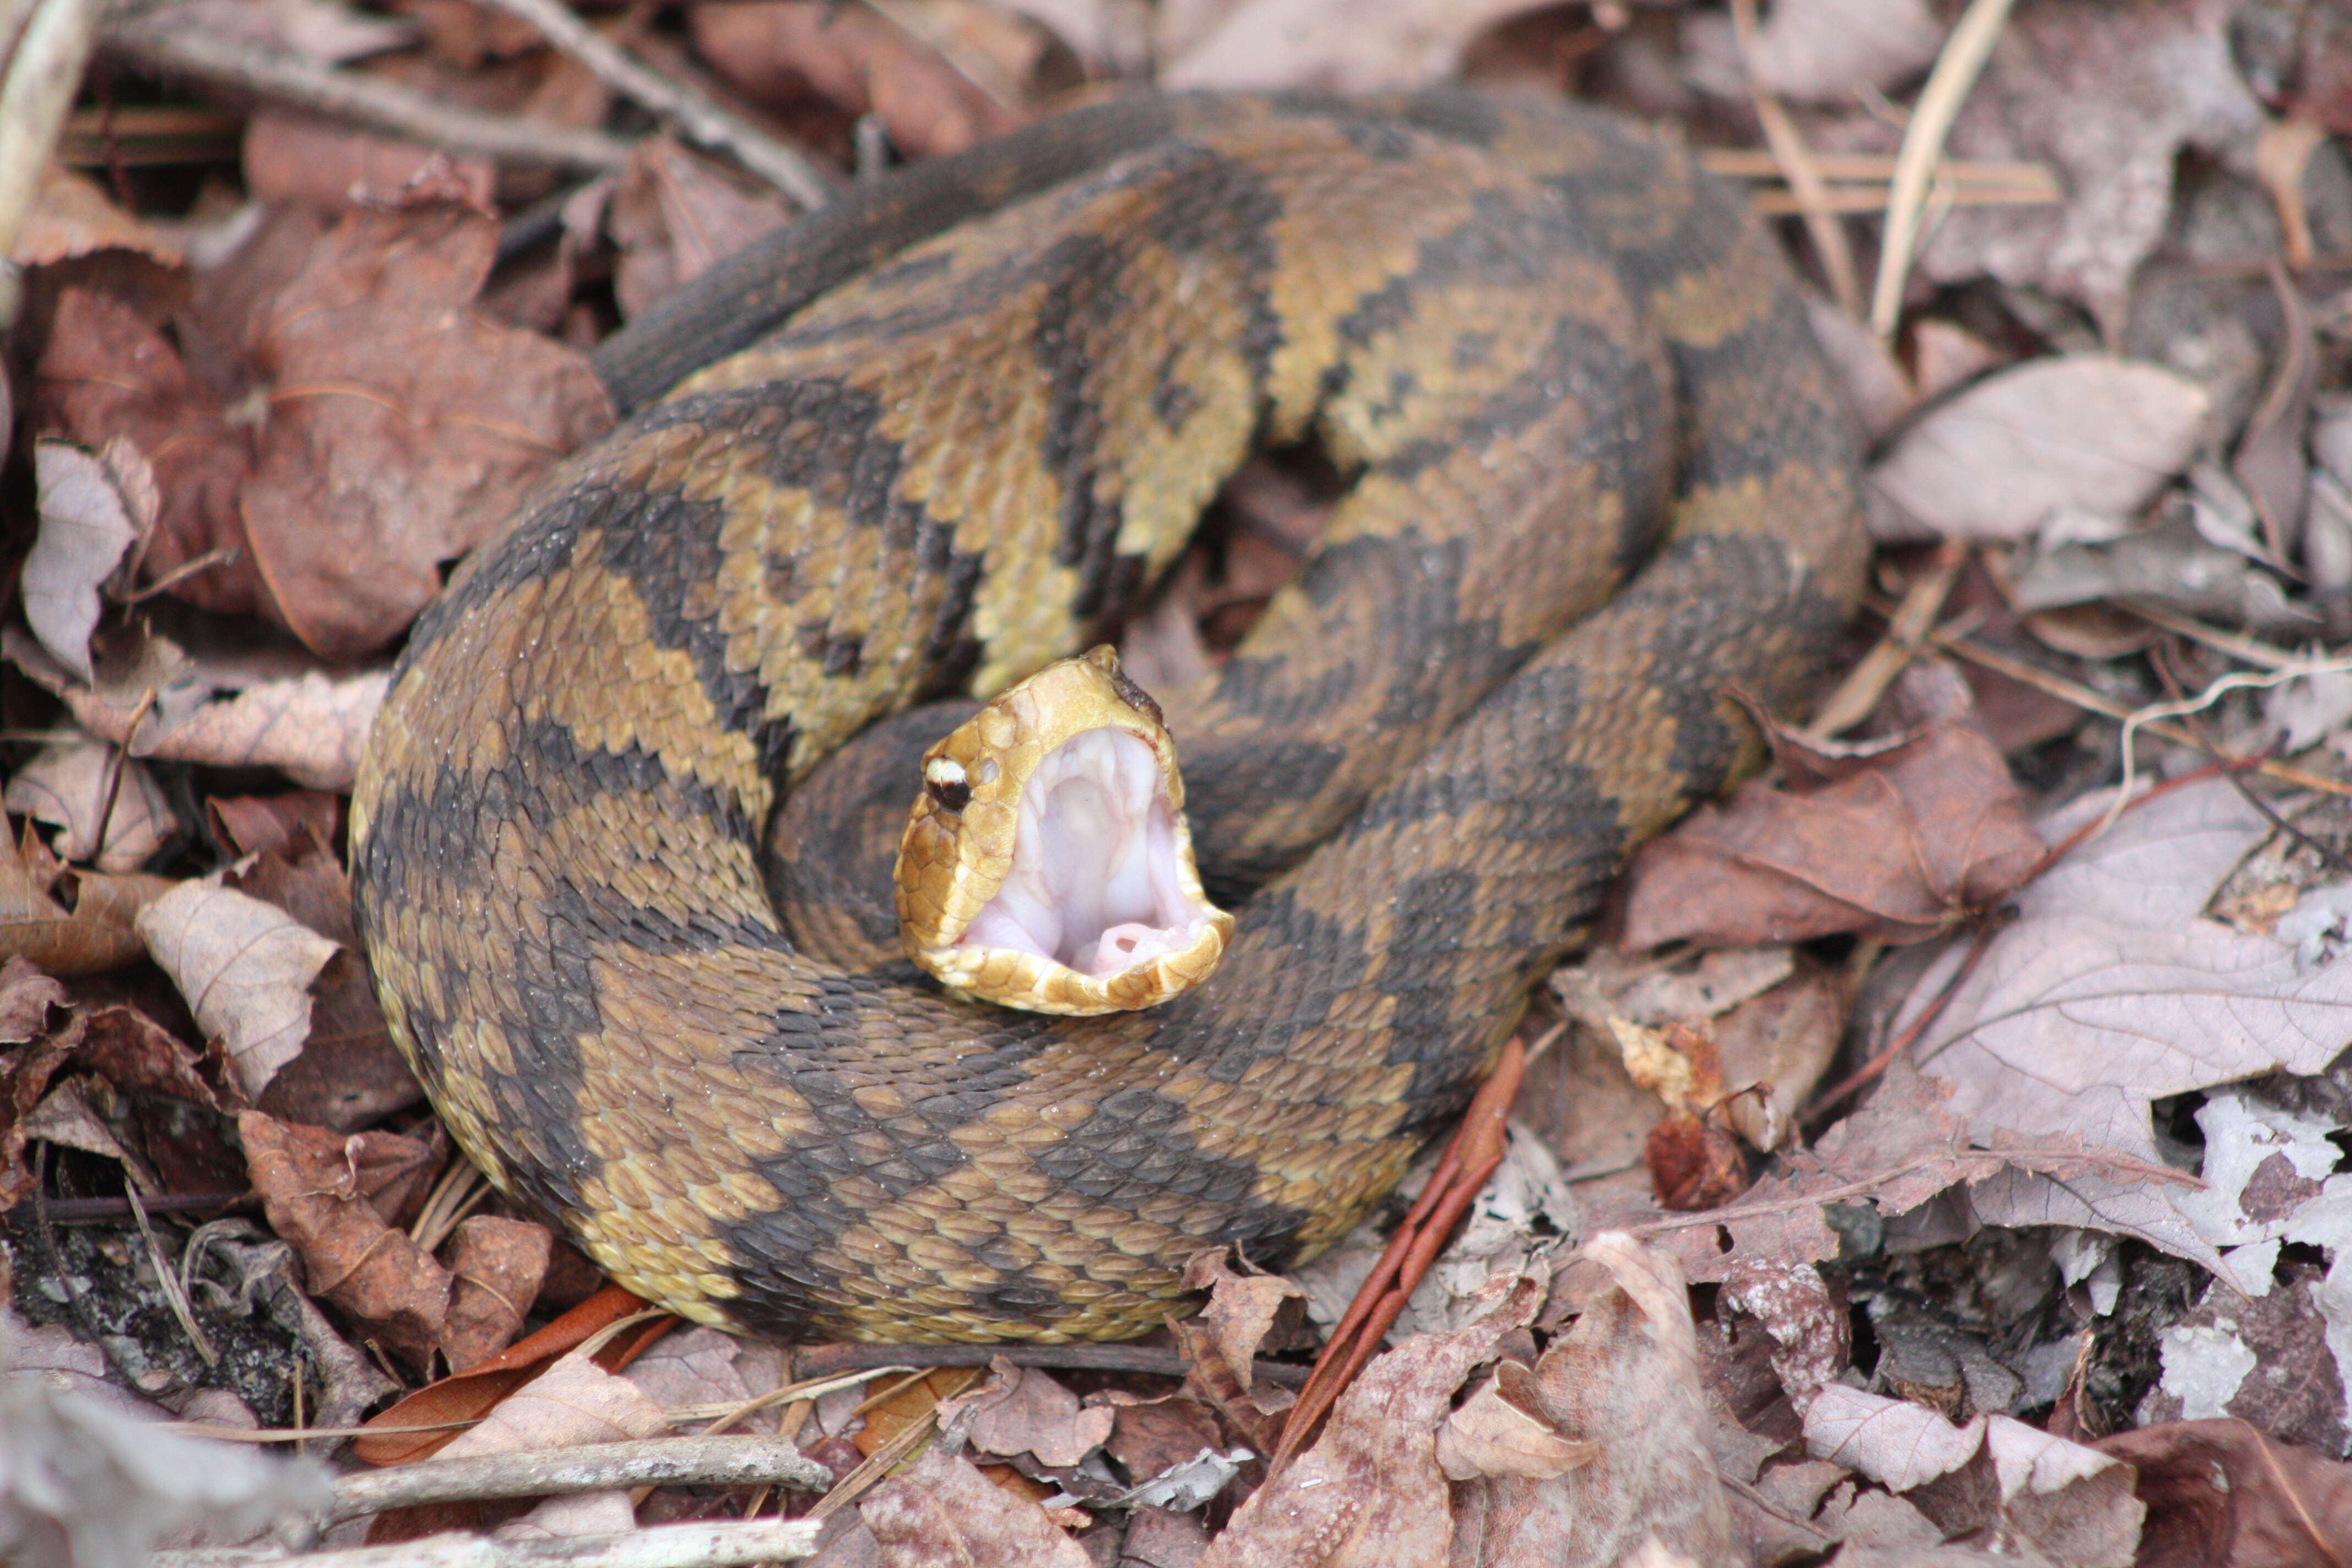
1095,883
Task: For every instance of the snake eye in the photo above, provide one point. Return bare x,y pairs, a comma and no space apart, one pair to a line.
943,780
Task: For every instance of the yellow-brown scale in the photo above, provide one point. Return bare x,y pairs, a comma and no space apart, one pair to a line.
1536,339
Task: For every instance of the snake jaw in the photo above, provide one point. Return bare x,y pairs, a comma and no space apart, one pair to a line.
1047,864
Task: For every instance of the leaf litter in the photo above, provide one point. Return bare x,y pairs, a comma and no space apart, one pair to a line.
1845,1211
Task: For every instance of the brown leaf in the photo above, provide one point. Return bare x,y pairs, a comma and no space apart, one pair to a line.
1496,1432
1151,1436
1360,47
132,1051
2111,98
26,997
1626,1377
106,372
495,1268
2221,1492
348,1072
780,51
303,718
1893,845
110,808
402,425
674,213
299,158
291,823
1029,1412
1370,1491
310,1188
2071,1502
26,1071
245,968
72,216
414,1428
942,1511
70,922
1240,1309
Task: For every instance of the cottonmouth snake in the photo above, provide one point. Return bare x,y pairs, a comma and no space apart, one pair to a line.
930,438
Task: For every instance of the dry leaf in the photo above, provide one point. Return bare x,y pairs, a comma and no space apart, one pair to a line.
307,720
495,1268
348,1072
1029,1412
402,426
93,507
1894,841
1625,1377
88,788
674,213
1811,1332
782,51
2113,989
2110,97
311,1190
1824,50
573,1402
245,968
1497,1433
1359,47
70,922
2074,1503
72,216
1241,1308
2083,430
1370,1491
941,1512
299,158
2221,1492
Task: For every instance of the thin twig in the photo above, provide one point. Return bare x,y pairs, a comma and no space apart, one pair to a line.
1797,166
746,1461
116,765
2236,681
456,1195
167,1277
1906,628
1848,200
283,77
1758,163
883,1459
2099,703
696,117
43,75
727,1544
1964,54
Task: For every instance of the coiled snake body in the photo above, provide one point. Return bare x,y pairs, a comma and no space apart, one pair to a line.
932,438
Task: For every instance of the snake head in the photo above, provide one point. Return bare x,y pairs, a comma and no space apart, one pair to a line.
1046,864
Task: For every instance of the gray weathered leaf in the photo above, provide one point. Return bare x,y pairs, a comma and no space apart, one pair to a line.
2113,989
92,508
2084,430
245,968
113,812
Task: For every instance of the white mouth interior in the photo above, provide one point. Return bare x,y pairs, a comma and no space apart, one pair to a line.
1094,883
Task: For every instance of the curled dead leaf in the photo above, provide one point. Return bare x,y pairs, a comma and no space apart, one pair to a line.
310,1184
113,810
1494,1434
92,507
245,968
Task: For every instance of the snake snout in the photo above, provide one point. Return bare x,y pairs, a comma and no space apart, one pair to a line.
1047,864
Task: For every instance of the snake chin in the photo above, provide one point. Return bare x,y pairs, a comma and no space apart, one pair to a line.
1095,884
